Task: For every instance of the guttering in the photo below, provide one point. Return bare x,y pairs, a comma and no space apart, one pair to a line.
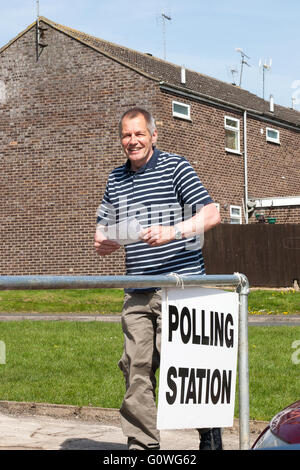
164,86
199,96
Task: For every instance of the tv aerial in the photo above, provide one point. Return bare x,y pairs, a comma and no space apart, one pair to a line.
232,72
243,62
265,68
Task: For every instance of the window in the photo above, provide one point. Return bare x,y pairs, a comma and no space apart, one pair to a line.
232,134
235,214
272,135
181,110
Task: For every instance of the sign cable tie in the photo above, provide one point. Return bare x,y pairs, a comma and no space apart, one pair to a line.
179,280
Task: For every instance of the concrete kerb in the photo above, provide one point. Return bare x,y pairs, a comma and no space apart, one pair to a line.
109,416
85,413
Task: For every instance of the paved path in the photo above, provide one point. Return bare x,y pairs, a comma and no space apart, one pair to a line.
53,427
274,320
253,320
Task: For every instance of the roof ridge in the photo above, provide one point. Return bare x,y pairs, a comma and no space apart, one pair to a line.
148,55
168,74
67,30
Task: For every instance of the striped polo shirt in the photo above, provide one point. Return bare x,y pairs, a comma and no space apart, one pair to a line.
165,191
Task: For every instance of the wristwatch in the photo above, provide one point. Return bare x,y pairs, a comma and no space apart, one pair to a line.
178,233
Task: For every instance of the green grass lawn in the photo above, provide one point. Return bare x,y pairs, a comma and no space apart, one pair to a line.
274,375
62,362
90,301
76,363
109,301
284,301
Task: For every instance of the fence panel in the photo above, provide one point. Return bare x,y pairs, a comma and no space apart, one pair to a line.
269,254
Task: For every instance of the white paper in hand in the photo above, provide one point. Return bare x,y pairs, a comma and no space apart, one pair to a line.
125,232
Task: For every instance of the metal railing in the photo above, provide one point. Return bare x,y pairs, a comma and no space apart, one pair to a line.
238,280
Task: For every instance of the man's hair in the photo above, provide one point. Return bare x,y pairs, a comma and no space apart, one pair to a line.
134,112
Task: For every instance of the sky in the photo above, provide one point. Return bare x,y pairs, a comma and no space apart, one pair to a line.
201,35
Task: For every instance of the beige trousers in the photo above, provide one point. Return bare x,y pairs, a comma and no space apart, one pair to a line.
141,324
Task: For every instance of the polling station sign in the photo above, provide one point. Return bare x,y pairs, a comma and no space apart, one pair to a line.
198,358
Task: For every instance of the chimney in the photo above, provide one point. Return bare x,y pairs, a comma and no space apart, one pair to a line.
183,78
293,102
271,103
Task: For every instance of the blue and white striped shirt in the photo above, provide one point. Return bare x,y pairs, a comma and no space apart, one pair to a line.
165,191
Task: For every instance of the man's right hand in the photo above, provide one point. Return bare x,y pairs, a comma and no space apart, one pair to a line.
104,246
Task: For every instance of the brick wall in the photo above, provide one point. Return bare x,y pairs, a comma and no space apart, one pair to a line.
59,141
202,141
273,170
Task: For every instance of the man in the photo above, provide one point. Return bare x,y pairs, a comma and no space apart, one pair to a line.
158,186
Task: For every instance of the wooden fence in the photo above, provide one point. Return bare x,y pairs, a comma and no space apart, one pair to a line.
269,255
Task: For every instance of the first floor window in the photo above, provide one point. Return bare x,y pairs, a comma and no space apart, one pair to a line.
235,214
232,134
272,135
181,110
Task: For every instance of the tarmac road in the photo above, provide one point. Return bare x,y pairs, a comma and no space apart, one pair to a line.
253,320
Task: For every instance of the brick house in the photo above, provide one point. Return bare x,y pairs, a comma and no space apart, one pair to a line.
61,95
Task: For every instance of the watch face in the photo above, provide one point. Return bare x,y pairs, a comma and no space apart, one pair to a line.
178,234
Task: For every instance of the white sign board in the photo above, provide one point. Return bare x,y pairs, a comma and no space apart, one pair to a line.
198,358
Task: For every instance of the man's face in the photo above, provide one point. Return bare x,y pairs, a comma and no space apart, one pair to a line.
137,141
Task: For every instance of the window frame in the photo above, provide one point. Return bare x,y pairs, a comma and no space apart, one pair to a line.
181,116
234,129
271,139
234,216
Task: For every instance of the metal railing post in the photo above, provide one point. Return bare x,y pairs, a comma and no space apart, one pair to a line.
244,431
